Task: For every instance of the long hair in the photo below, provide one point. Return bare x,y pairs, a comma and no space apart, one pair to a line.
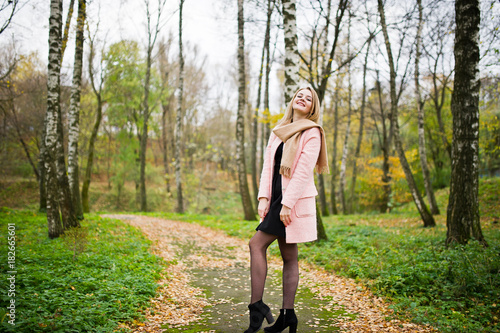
313,113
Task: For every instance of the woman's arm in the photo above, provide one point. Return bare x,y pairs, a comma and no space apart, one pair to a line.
265,176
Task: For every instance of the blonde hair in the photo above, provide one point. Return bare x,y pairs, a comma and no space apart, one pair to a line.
313,114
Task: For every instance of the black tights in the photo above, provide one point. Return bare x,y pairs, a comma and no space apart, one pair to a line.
258,267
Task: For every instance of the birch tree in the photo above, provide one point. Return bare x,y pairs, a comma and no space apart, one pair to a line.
62,38
333,170
463,221
59,202
266,129
417,197
67,25
74,113
249,213
420,110
343,162
292,64
178,120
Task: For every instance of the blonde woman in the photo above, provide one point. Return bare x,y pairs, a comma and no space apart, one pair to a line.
287,204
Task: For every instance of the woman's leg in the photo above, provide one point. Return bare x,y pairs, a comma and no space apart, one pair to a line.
289,253
258,263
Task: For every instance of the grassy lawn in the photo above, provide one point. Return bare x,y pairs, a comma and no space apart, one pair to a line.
454,289
111,278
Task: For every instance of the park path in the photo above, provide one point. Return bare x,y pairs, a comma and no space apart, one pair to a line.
206,287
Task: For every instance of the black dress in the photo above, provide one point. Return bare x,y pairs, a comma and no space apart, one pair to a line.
272,223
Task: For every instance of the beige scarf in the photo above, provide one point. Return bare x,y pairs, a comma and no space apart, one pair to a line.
290,134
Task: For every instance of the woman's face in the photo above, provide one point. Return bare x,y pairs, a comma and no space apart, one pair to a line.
302,104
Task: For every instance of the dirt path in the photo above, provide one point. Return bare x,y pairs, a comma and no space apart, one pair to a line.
207,288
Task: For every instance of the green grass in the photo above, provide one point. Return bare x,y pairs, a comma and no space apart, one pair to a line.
111,281
454,289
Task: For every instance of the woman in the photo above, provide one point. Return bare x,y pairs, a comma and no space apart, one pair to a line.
287,204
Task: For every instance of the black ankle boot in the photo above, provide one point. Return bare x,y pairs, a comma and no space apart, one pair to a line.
286,319
258,311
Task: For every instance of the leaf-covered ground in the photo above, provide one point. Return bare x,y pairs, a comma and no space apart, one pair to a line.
207,287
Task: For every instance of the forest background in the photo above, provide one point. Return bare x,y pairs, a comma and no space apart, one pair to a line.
204,124
208,146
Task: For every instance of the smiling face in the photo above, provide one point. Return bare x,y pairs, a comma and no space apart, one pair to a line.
302,104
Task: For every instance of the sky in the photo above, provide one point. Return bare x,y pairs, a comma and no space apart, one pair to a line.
204,24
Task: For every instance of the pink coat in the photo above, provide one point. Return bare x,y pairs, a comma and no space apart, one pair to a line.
299,191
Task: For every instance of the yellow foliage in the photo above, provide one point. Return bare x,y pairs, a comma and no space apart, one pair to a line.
271,119
371,180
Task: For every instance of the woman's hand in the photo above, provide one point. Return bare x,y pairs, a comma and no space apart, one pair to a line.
285,215
263,207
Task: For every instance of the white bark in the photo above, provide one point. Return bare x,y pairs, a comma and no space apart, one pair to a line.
54,68
420,109
292,64
74,112
343,163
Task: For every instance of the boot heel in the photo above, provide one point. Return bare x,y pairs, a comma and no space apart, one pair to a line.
269,318
293,328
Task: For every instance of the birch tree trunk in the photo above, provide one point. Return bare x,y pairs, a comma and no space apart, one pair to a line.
74,113
178,121
417,198
345,149
420,109
52,122
292,59
240,121
266,129
62,40
65,34
463,221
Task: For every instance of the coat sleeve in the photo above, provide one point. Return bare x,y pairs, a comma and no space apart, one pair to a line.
304,170
265,176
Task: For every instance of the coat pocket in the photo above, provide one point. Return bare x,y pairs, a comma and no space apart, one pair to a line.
305,207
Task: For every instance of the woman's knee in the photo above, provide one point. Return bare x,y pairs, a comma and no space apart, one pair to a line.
289,253
258,243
